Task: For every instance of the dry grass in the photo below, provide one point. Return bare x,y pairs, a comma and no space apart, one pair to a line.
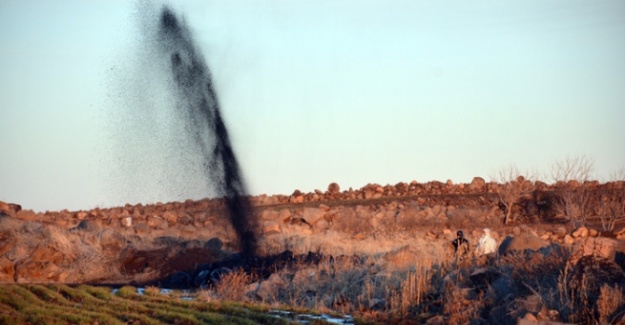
232,286
610,299
398,287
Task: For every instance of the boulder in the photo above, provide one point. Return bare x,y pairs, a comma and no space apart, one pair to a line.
602,247
334,188
581,232
521,242
126,222
619,232
87,226
9,209
271,228
171,218
81,215
312,215
269,214
284,215
477,183
484,276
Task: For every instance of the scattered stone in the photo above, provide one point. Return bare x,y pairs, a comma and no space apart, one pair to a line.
312,215
81,215
271,228
171,218
581,232
484,276
477,184
88,226
142,229
126,222
214,244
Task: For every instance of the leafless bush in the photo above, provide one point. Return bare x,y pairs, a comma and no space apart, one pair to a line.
573,197
612,209
572,203
572,168
513,187
611,205
618,175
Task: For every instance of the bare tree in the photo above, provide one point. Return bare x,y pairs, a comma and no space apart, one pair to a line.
612,209
513,187
573,197
612,203
573,203
572,168
618,175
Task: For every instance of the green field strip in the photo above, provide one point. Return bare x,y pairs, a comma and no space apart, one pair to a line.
63,304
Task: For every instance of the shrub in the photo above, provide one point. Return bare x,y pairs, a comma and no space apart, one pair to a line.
231,286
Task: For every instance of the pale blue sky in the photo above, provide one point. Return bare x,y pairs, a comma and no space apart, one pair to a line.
313,92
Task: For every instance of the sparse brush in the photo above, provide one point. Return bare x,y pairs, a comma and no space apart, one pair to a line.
575,305
232,286
457,308
152,291
610,299
205,295
411,293
127,292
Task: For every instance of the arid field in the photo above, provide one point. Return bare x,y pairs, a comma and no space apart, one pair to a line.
380,254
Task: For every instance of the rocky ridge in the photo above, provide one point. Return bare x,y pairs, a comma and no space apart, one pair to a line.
147,242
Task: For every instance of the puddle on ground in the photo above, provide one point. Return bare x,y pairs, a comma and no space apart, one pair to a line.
184,294
309,318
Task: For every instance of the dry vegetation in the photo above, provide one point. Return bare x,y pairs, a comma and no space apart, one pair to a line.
538,285
385,256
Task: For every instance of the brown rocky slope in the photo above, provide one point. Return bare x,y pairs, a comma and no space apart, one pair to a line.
142,243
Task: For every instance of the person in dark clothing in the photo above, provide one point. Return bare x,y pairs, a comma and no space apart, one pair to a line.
461,246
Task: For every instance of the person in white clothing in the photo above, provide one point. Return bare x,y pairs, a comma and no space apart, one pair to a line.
486,245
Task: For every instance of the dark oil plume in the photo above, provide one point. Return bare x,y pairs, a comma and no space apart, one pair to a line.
193,87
